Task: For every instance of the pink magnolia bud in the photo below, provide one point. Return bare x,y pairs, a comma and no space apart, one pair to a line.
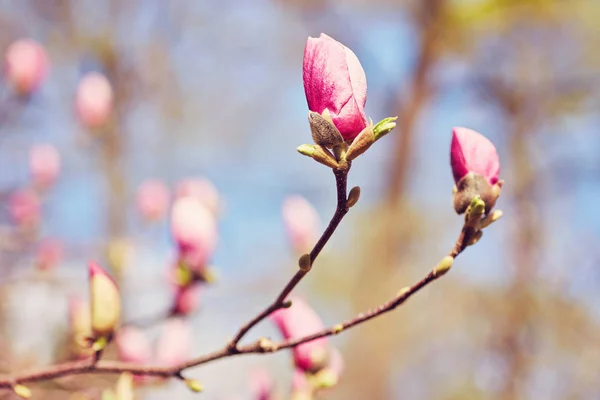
301,223
335,80
472,152
187,299
44,165
194,229
202,189
261,385
105,301
80,326
152,199
301,320
94,100
133,346
476,168
175,342
25,208
49,254
26,65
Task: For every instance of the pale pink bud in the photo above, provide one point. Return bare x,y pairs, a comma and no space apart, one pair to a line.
470,151
80,321
194,229
105,301
152,199
25,208
187,299
94,100
202,189
301,320
133,345
175,342
44,165
261,385
26,65
301,222
49,254
335,80
80,326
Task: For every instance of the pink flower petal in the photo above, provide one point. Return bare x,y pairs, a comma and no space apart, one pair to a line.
335,80
470,151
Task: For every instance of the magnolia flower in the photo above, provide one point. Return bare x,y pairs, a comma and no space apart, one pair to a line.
25,208
335,80
202,189
175,342
105,302
301,320
152,199
133,346
301,223
44,165
472,152
475,167
26,65
94,100
194,229
49,253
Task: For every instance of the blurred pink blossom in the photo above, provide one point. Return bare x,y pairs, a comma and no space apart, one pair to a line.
301,223
202,189
152,199
94,100
194,229
335,80
301,320
49,254
187,299
470,151
26,65
133,345
175,342
44,165
25,208
261,385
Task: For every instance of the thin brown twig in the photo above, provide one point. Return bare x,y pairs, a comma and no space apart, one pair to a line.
341,179
261,346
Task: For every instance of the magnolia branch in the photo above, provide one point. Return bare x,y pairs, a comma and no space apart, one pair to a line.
341,179
470,233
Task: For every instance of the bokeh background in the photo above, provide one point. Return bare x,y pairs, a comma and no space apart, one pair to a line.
214,89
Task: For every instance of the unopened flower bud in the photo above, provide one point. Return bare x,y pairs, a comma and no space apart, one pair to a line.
105,302
297,321
475,167
335,80
26,65
152,200
301,223
44,165
94,100
175,342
